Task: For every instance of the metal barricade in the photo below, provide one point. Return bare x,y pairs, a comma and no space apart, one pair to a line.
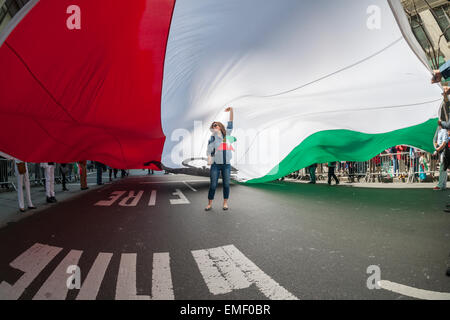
410,167
6,173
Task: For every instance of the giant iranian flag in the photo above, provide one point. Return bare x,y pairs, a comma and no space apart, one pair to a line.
138,82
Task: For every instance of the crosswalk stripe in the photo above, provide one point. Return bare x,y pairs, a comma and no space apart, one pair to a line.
214,280
55,287
270,288
126,280
228,269
152,201
31,262
162,287
93,281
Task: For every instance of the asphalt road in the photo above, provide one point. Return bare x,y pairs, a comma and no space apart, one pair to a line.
278,240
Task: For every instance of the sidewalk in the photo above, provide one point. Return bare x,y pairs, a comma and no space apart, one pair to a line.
9,209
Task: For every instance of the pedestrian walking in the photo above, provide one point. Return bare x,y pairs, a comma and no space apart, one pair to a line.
49,168
312,173
4,172
99,166
111,172
23,180
64,171
440,145
331,173
83,174
219,156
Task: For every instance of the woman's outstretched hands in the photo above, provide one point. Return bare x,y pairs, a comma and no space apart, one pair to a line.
230,110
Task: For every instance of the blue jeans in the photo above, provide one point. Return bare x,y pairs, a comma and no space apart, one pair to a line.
214,175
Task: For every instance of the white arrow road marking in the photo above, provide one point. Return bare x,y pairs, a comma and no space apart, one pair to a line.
31,262
91,286
413,292
113,198
161,278
225,269
181,198
55,287
189,186
152,201
131,195
126,280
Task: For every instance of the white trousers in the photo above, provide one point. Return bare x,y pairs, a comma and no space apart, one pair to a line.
50,181
23,179
442,174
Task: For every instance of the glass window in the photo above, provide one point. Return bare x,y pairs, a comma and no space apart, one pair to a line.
443,20
419,32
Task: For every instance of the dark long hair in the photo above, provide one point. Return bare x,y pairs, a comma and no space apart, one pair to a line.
222,128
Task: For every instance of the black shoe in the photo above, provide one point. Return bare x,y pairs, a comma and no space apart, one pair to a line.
53,199
208,208
22,210
448,272
32,208
65,189
84,188
49,200
447,210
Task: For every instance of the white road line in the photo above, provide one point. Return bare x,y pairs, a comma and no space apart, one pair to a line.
189,186
126,280
152,201
162,287
131,195
91,285
77,184
112,199
181,198
413,292
169,182
228,269
269,287
55,287
31,262
214,280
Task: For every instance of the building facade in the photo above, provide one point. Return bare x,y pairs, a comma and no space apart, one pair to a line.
430,22
8,9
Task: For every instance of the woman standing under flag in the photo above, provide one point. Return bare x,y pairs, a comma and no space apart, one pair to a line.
219,156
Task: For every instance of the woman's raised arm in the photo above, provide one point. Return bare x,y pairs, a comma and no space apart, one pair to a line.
230,110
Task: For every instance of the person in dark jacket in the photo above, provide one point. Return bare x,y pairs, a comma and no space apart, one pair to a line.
331,173
312,173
